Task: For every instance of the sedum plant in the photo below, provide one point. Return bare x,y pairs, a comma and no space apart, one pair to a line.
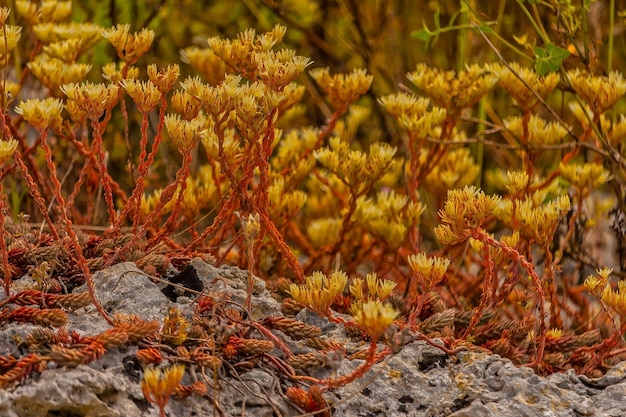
456,210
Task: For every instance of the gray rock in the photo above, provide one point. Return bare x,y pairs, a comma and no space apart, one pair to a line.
418,380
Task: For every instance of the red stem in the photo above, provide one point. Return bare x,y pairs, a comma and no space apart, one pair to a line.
80,258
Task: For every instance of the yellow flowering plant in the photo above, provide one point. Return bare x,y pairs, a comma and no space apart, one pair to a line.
396,194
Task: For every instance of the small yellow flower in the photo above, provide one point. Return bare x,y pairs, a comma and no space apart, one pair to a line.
145,95
67,50
53,72
185,104
532,216
374,317
41,113
41,12
585,177
9,37
94,99
455,169
596,284
451,90
342,89
7,147
4,14
206,62
430,270
540,131
148,202
466,208
11,91
158,385
56,32
277,69
129,47
175,327
412,113
251,226
522,95
111,72
184,133
319,291
323,231
599,92
164,78
516,181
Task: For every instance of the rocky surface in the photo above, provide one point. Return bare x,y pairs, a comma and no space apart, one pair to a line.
419,380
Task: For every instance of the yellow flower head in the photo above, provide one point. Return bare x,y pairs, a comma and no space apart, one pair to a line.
111,72
41,113
53,72
94,99
145,95
4,14
429,270
164,78
129,47
7,147
185,104
374,317
466,208
9,37
585,177
319,291
540,131
412,113
158,385
44,11
342,89
596,284
184,133
511,81
599,92
206,62
451,90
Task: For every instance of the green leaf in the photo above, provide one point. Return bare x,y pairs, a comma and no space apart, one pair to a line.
549,59
422,35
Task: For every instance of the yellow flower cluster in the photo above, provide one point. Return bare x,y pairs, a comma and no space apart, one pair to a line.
412,113
599,92
43,12
451,90
387,215
377,289
342,89
465,208
523,82
129,46
319,291
456,169
356,168
599,286
429,270
92,98
535,218
540,132
42,114
158,385
374,317
585,177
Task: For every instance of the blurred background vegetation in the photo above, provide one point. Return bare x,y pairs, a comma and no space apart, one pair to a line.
377,34
388,37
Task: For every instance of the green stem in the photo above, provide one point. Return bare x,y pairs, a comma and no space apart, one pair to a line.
531,19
